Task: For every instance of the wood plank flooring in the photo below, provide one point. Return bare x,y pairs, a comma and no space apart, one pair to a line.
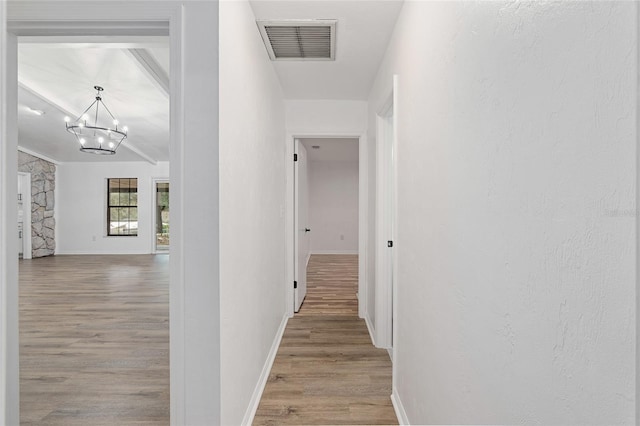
332,283
94,340
326,370
94,347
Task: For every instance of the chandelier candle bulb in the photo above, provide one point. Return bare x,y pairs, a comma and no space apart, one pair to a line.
100,129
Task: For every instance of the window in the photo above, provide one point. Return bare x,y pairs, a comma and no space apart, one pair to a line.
122,207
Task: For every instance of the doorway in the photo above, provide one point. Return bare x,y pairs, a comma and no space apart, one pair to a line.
101,218
161,215
42,106
191,172
326,200
24,215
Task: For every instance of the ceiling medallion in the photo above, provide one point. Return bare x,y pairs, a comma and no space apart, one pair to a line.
95,135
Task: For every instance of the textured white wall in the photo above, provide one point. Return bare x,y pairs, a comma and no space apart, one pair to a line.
252,189
516,211
333,206
81,209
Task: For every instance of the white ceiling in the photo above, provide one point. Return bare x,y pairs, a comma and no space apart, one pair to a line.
362,35
59,78
335,149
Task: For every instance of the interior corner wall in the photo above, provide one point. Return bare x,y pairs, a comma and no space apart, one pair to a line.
516,210
81,212
252,208
333,207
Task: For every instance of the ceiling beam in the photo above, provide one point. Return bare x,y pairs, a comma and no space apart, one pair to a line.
151,68
139,152
65,111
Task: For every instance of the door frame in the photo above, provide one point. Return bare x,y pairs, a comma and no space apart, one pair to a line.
386,180
194,297
154,224
363,217
26,222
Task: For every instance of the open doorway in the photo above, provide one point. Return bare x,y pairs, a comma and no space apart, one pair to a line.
24,215
326,225
190,73
161,216
94,300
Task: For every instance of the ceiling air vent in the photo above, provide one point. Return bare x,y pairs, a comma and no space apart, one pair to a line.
299,40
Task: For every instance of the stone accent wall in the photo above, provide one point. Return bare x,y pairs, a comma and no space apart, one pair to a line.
43,184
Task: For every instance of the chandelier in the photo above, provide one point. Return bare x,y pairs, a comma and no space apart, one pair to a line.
97,135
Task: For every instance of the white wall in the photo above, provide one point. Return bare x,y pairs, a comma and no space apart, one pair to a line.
9,348
333,206
81,212
516,211
326,117
252,207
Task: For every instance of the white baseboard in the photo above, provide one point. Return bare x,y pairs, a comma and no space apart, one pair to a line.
106,253
399,409
334,252
370,328
264,376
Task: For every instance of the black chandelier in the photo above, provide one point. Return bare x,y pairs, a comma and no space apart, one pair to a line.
103,136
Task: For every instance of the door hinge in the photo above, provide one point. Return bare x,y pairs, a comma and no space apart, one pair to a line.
389,243
295,157
295,284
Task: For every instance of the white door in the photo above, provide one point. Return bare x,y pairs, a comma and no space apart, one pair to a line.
302,231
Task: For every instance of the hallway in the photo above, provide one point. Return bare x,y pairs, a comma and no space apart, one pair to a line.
326,370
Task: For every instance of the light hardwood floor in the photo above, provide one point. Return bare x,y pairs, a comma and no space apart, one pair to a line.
94,347
326,370
94,340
